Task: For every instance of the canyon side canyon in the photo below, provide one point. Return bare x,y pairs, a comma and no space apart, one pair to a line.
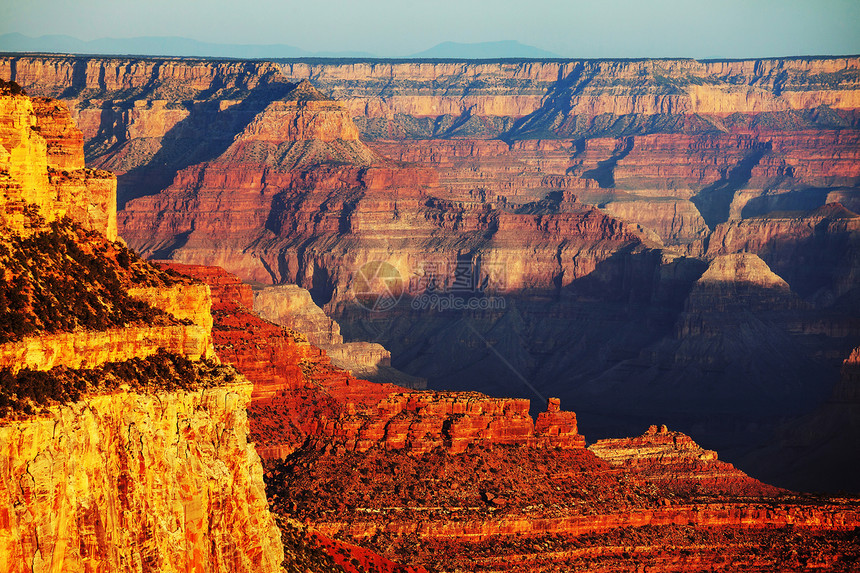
658,241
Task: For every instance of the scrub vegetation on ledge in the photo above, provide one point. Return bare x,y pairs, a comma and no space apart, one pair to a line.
27,391
65,278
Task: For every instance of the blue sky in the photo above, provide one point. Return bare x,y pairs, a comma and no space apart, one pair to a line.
391,28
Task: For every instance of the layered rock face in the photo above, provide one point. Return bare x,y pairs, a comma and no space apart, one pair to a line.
733,284
423,89
674,459
679,185
143,311
556,214
87,349
683,127
432,477
815,251
42,163
123,442
132,481
293,307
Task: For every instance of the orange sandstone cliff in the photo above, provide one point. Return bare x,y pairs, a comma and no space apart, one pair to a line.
42,163
124,443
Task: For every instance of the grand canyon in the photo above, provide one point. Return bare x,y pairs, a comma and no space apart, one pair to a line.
337,315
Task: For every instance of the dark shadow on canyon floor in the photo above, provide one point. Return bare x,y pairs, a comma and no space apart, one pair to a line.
617,348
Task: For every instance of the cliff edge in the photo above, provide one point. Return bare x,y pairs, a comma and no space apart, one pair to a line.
124,441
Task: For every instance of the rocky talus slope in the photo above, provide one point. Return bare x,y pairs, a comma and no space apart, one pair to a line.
124,442
557,214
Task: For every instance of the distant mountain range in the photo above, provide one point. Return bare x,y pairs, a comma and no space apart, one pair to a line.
186,47
484,50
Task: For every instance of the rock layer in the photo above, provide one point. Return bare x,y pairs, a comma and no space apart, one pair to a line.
89,349
42,163
133,481
675,460
292,306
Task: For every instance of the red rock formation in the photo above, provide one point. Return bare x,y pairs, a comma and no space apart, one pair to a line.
676,462
307,115
556,428
91,348
356,559
652,180
439,89
264,352
41,144
292,306
329,220
649,184
373,473
290,375
64,141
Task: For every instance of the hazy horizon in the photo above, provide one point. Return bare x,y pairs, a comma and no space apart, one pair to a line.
386,29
